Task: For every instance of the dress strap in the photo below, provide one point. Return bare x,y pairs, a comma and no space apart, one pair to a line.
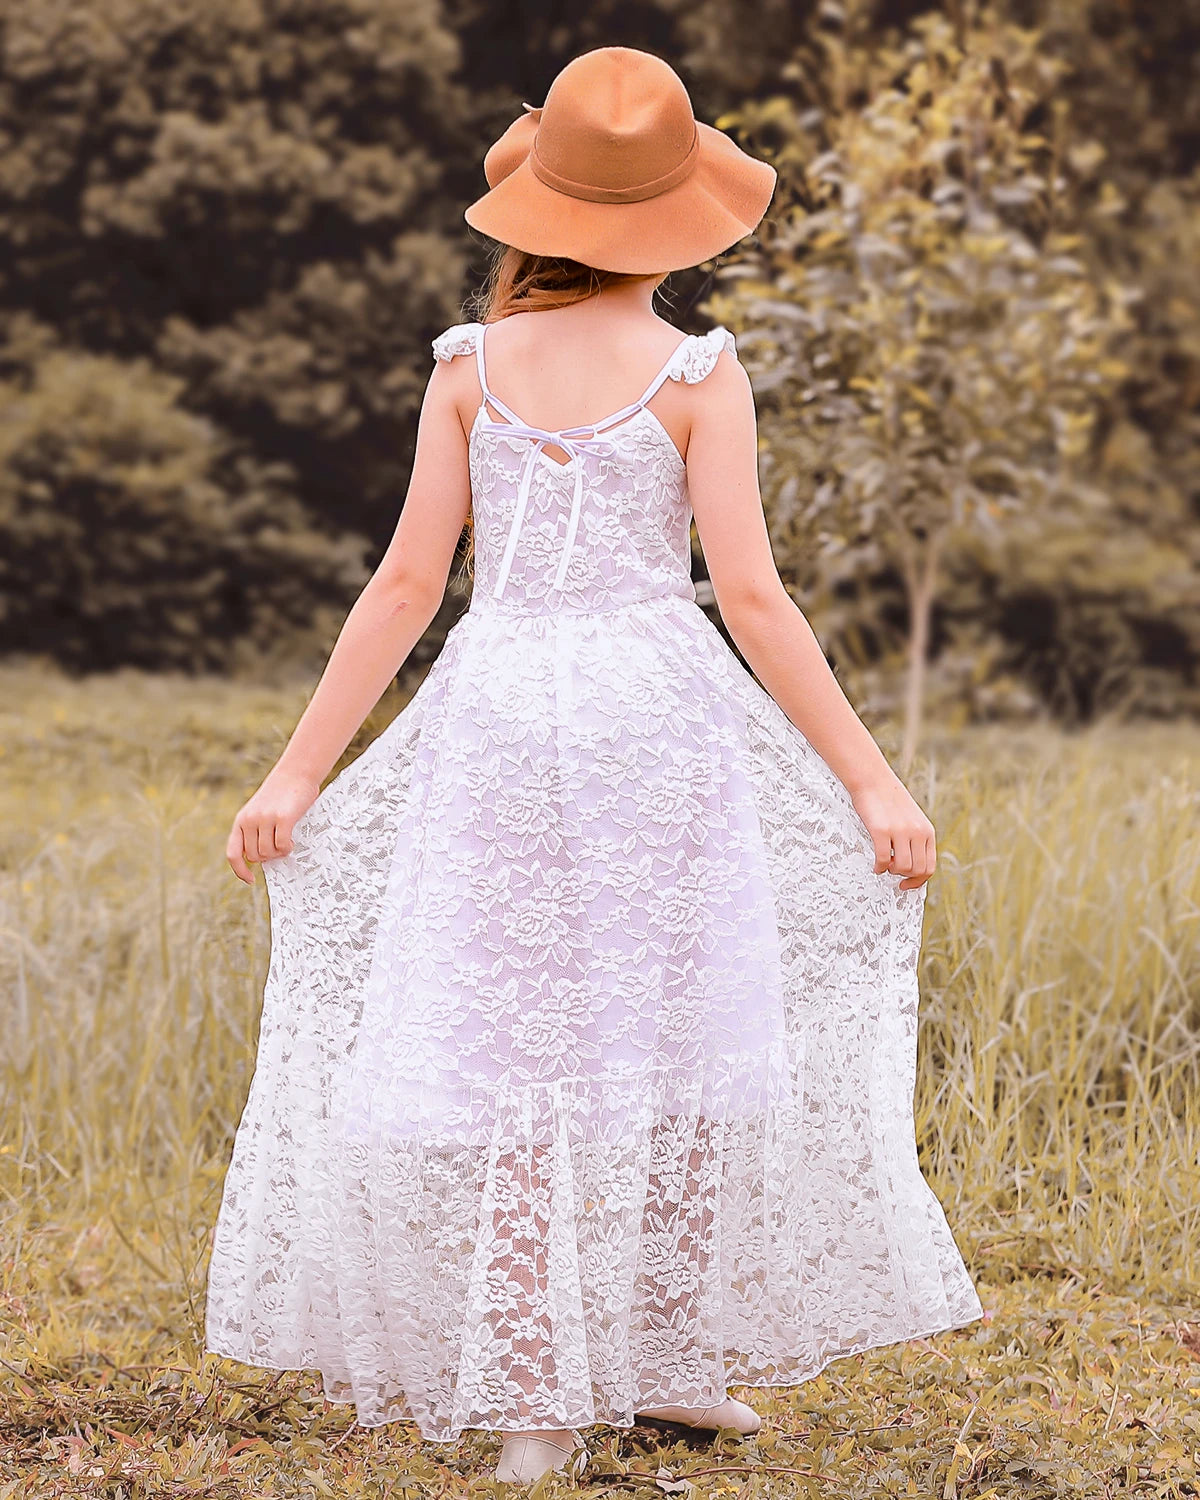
479,364
663,374
463,338
691,359
483,385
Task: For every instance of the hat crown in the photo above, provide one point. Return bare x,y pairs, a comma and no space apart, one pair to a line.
615,121
614,170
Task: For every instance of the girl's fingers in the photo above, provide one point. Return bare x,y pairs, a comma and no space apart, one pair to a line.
256,838
263,840
902,859
924,860
883,850
274,838
235,853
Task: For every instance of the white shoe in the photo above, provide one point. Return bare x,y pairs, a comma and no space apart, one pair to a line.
526,1456
727,1413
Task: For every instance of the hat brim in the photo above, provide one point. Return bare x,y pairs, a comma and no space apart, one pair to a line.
718,203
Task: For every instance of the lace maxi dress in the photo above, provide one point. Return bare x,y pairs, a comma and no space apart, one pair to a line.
587,1053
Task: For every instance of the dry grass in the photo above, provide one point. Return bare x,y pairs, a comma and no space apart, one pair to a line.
1057,1108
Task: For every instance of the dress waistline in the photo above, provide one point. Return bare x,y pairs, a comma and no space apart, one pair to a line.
488,606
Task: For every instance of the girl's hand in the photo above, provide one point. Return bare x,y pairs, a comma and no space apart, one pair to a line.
263,827
903,836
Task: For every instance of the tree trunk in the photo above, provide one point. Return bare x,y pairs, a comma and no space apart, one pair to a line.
921,589
958,19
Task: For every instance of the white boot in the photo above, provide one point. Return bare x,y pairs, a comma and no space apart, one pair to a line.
526,1456
728,1413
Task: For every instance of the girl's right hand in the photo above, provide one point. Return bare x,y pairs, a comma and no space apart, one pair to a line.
263,827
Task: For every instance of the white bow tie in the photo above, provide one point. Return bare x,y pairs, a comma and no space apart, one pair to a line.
575,441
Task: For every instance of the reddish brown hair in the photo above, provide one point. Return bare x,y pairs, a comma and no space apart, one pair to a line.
520,282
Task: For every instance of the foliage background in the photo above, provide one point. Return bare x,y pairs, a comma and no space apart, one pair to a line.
229,230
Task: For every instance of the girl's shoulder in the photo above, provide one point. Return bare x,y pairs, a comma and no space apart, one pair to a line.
691,361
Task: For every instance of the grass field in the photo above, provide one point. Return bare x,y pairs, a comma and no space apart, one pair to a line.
1058,1116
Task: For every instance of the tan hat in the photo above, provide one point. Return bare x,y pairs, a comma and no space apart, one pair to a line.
615,171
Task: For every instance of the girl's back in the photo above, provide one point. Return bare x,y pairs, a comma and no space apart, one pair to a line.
579,489
564,367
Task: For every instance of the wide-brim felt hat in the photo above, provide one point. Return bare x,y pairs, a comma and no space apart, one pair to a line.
614,170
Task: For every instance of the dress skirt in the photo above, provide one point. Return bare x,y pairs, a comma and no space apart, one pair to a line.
587,1054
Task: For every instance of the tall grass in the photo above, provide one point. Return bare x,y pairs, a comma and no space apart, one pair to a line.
1057,1101
1058,1096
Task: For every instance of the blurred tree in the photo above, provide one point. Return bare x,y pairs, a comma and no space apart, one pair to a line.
131,531
261,199
932,352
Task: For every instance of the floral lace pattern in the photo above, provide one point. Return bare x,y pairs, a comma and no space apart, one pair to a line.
585,1072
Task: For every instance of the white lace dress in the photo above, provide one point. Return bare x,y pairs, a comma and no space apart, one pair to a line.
587,1054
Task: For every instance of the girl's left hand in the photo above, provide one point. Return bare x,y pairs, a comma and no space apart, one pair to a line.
263,827
903,836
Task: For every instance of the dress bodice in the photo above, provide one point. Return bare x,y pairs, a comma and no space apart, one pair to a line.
607,527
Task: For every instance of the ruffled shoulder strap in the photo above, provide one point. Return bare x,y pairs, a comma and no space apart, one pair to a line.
699,352
460,338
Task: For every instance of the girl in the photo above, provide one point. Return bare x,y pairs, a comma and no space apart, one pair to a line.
584,1081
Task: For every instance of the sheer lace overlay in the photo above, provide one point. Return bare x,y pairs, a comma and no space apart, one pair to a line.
585,1072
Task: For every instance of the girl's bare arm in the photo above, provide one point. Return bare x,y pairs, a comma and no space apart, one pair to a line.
773,634
388,619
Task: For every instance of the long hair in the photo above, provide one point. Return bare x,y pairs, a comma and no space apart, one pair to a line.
520,282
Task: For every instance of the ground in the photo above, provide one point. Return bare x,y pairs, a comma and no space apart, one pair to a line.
1057,1114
